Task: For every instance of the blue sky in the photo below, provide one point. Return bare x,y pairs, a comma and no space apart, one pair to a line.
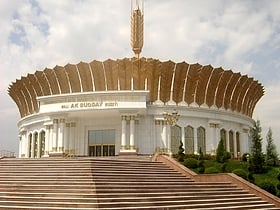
235,34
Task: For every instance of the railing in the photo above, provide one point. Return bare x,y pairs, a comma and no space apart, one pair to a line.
6,153
218,177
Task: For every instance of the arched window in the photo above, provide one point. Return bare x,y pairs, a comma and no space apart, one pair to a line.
201,144
175,138
231,142
35,148
42,143
238,144
189,140
224,137
29,144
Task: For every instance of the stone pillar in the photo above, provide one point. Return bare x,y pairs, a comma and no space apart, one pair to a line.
72,149
55,135
234,145
227,140
168,129
123,137
164,135
67,138
23,145
212,138
158,139
132,133
51,138
61,130
47,140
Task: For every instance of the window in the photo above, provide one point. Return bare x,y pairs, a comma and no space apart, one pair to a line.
224,137
189,140
175,138
201,144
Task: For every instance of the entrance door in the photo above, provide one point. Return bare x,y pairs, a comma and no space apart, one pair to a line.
101,143
101,150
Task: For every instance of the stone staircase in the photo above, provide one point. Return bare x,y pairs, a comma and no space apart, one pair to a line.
112,183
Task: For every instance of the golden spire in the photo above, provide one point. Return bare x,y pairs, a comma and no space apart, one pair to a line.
136,24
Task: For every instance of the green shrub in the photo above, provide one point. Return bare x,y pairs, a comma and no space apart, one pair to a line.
223,167
191,163
180,154
192,156
209,157
240,172
227,156
268,186
278,177
244,157
201,167
211,170
250,177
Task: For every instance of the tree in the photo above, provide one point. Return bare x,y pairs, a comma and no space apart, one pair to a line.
180,153
221,152
257,161
271,153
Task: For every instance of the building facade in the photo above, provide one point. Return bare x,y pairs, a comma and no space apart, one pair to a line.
113,107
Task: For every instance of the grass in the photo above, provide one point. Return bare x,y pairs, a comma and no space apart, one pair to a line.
270,175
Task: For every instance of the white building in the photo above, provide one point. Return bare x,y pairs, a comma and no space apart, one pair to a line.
117,106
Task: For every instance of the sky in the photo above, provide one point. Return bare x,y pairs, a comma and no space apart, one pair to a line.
242,36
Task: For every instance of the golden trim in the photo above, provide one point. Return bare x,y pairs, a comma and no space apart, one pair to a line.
61,120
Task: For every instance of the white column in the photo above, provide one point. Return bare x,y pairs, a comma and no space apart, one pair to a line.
168,129
123,137
47,140
55,135
213,138
23,145
61,130
51,138
227,140
72,149
234,145
132,133
218,135
164,135
66,138
159,143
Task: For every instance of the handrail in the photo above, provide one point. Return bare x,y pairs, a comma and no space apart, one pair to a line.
218,177
6,153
